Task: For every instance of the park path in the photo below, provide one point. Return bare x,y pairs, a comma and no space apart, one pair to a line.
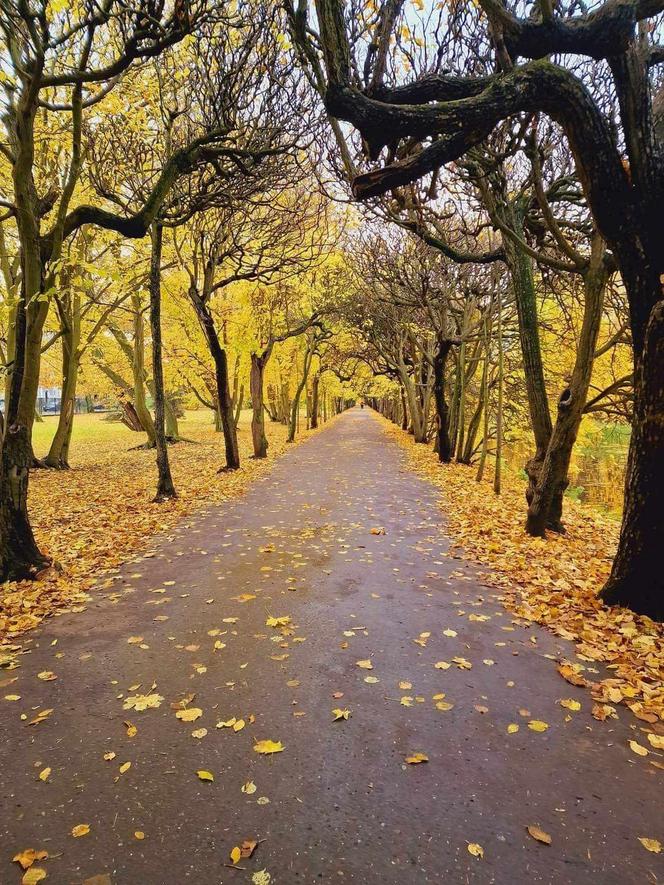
339,804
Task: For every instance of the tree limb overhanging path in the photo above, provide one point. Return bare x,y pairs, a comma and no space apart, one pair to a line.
187,624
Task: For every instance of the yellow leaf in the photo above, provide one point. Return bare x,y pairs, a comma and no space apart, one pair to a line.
570,704
656,740
444,706
539,835
365,665
239,725
404,686
249,788
512,728
653,845
46,676
537,725
236,854
228,723
406,701
139,834
199,733
28,856
33,876
80,830
340,714
142,702
638,749
416,758
372,680
282,621
205,775
475,849
44,774
449,632
442,665
189,714
267,747
125,767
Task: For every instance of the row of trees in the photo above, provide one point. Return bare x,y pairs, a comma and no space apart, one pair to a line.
521,143
156,155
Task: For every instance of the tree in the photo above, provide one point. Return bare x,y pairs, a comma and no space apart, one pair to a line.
55,56
448,115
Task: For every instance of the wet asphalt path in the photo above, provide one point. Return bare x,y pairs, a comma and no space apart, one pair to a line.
339,804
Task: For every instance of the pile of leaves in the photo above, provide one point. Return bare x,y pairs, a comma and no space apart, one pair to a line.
552,581
94,517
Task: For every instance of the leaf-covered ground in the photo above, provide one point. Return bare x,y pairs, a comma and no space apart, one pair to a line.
552,581
93,517
309,683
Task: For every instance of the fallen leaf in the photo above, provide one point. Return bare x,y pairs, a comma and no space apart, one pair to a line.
189,714
249,788
205,775
282,621
267,747
475,849
236,854
28,856
248,847
638,748
539,835
570,704
365,665
141,702
340,714
537,725
33,876
44,774
653,845
416,758
80,830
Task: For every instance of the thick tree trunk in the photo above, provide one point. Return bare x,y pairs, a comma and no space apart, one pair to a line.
256,375
165,487
545,507
443,442
20,556
637,577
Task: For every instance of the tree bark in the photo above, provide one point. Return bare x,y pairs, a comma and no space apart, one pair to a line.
165,486
315,407
443,442
545,507
637,577
256,375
